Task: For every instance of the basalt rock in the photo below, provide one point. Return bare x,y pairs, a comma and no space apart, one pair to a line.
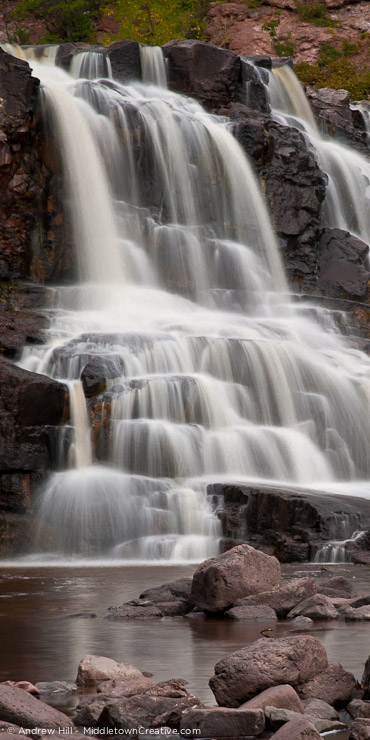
125,61
334,115
341,269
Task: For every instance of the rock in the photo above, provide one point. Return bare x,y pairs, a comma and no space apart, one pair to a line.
359,709
24,685
362,614
336,586
130,686
220,581
278,717
93,668
282,697
359,730
342,272
146,610
241,675
210,74
222,722
125,61
162,705
319,708
365,680
299,729
21,708
303,621
333,685
284,598
316,607
88,711
179,589
251,614
98,370
332,110
56,687
83,615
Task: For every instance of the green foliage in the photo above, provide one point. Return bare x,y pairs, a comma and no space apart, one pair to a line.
19,36
65,21
255,3
272,27
335,69
286,47
312,11
154,22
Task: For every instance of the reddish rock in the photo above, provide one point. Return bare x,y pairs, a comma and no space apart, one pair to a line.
21,708
319,708
25,685
222,722
282,697
359,709
316,607
285,598
93,668
299,729
221,581
333,685
251,614
241,675
359,730
278,717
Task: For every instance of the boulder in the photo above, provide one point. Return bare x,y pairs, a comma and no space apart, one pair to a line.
342,272
359,729
316,607
241,571
222,722
251,614
359,709
299,729
278,717
319,708
21,708
333,685
361,614
93,668
125,61
336,586
146,610
264,663
365,680
88,712
25,685
303,622
210,74
282,697
284,598
130,686
179,589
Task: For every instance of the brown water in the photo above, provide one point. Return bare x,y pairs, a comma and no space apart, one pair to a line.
41,642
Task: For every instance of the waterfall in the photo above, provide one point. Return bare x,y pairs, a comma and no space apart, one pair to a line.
153,66
205,371
347,203
91,65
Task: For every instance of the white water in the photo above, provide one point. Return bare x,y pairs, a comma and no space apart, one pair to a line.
212,375
91,65
153,66
347,203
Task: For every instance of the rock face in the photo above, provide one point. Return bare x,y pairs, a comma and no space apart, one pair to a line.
93,668
210,74
23,709
242,571
125,61
265,663
342,273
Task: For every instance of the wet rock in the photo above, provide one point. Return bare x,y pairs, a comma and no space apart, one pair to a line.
251,614
210,74
98,370
56,687
83,615
284,598
316,607
266,663
341,269
303,621
282,697
93,668
179,589
146,610
333,114
333,685
32,399
21,708
125,60
299,729
319,708
220,581
278,717
359,730
359,709
222,722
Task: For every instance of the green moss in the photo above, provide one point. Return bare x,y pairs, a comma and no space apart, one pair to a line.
336,69
286,47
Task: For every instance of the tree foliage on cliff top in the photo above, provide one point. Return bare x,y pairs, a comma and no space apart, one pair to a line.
64,21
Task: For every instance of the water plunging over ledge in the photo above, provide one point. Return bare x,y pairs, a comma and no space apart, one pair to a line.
208,372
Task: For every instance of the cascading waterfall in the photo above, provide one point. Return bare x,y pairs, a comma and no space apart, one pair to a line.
347,204
182,307
153,66
91,65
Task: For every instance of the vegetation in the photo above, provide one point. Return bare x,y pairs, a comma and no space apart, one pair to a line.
65,21
335,68
156,21
312,11
286,47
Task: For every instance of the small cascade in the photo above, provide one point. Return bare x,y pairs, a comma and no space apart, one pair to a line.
205,371
347,203
364,109
90,65
337,550
153,66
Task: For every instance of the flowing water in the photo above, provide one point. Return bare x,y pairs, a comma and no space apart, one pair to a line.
211,373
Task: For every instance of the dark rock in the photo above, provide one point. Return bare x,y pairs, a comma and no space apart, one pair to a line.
88,711
282,697
222,722
84,615
365,680
334,115
299,729
319,708
98,370
179,589
284,598
23,709
342,272
333,685
336,586
32,399
220,581
266,663
359,709
359,730
210,74
256,95
316,607
125,60
146,610
251,614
